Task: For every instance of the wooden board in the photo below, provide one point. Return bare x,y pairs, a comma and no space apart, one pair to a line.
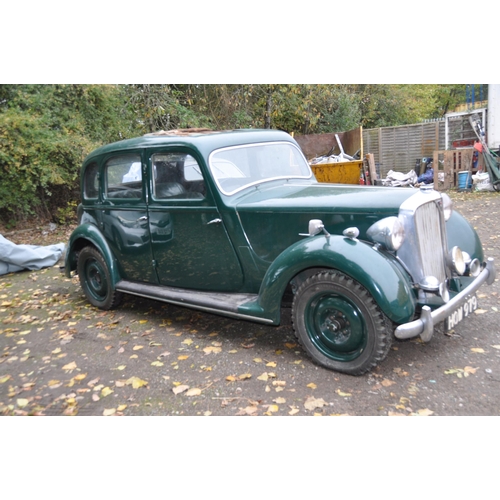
453,162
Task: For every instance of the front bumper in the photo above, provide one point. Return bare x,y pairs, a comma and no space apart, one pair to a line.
424,326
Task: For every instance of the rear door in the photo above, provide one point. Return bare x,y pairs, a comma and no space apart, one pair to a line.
124,219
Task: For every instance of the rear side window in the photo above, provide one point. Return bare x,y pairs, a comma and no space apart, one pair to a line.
91,182
124,177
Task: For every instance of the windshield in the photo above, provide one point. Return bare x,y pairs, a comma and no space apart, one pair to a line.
238,167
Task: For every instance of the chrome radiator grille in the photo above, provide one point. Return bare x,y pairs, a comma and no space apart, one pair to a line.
428,222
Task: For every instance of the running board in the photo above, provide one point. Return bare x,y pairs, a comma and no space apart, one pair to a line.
225,304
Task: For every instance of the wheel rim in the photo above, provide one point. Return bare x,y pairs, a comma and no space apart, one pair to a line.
336,327
96,280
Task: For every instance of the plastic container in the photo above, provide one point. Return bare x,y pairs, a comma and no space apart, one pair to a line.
464,180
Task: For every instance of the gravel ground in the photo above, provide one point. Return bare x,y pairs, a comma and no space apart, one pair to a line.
61,356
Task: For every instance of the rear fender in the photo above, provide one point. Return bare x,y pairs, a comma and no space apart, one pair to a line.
377,272
88,234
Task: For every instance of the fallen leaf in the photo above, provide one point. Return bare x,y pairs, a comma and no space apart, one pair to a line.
293,411
425,412
212,349
469,369
480,311
193,392
245,376
280,401
478,350
21,402
108,412
249,410
121,408
70,366
157,363
387,383
121,367
137,347
264,377
183,357
258,360
271,364
136,382
4,379
312,385
343,394
273,408
312,403
106,392
180,388
187,341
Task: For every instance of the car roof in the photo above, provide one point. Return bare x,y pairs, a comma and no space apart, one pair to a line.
204,140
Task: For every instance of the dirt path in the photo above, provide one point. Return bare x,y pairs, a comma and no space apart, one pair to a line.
61,356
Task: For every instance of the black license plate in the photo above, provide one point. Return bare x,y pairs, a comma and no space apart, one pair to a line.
461,312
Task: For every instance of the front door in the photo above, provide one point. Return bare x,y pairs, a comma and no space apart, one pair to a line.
191,247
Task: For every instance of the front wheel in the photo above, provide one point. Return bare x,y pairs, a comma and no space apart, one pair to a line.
95,279
339,324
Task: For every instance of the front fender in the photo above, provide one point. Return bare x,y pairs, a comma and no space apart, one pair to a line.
86,234
460,233
377,272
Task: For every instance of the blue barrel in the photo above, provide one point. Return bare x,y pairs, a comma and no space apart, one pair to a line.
464,181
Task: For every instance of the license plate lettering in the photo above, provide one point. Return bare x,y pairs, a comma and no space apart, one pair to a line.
466,309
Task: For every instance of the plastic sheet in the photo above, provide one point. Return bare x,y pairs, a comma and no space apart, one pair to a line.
15,258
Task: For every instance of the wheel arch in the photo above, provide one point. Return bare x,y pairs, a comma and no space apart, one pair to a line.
89,235
377,272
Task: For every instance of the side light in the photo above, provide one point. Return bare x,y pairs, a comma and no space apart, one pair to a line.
388,232
447,206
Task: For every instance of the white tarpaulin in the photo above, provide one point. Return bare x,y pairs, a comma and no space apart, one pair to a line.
15,258
398,179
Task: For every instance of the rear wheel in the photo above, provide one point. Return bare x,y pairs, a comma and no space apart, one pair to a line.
339,324
95,279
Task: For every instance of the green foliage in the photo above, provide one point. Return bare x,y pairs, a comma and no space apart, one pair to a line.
47,130
67,215
45,133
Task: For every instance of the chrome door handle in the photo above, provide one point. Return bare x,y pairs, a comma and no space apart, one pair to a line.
144,217
214,221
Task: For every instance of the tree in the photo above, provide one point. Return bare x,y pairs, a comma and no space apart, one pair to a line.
45,133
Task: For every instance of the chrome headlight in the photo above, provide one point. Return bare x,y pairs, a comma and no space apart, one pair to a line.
388,232
447,206
456,261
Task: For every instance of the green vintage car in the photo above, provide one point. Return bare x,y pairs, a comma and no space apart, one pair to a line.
234,223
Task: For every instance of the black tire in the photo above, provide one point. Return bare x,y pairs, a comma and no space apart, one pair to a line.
95,279
339,324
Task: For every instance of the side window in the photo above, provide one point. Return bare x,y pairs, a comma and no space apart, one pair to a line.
124,177
91,182
177,176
